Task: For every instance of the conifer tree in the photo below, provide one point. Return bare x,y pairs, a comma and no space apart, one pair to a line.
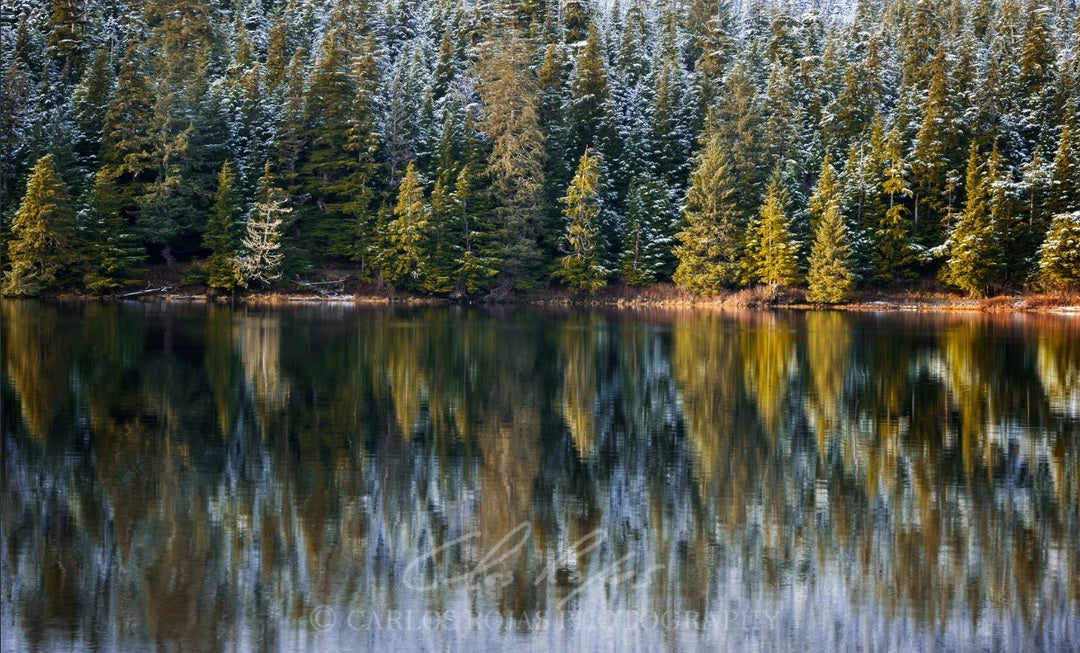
934,155
1059,256
443,249
405,260
590,109
516,163
41,250
830,277
220,235
771,250
973,247
893,251
475,269
647,239
710,249
114,254
826,194
582,266
1065,172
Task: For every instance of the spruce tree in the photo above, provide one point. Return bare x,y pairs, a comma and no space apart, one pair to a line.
830,278
443,247
220,235
590,111
114,254
935,154
582,266
893,255
1065,172
404,262
41,250
474,270
973,248
515,165
1059,256
710,249
771,250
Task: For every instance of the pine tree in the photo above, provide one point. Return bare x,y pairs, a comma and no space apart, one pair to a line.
405,260
260,257
771,250
830,277
41,250
1059,256
220,236
582,267
710,249
973,247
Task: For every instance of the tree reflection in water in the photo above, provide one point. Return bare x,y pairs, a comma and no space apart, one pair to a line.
205,478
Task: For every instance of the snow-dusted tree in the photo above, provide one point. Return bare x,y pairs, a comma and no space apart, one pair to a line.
1059,256
974,247
260,255
647,238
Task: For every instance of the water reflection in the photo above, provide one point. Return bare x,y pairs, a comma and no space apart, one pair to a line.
201,478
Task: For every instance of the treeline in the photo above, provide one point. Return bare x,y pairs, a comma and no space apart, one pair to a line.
463,147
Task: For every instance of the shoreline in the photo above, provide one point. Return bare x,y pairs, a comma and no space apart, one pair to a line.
657,296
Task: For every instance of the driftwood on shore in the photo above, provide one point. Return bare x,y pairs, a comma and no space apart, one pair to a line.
146,291
324,288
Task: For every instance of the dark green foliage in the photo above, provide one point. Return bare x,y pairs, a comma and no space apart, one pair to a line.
647,237
220,236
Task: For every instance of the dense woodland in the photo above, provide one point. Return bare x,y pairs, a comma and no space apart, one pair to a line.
468,147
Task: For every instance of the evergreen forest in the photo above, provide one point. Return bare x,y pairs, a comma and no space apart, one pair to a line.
468,148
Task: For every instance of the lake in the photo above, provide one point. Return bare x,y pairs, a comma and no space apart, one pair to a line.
201,478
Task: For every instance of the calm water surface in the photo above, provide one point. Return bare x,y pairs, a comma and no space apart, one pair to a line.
200,479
